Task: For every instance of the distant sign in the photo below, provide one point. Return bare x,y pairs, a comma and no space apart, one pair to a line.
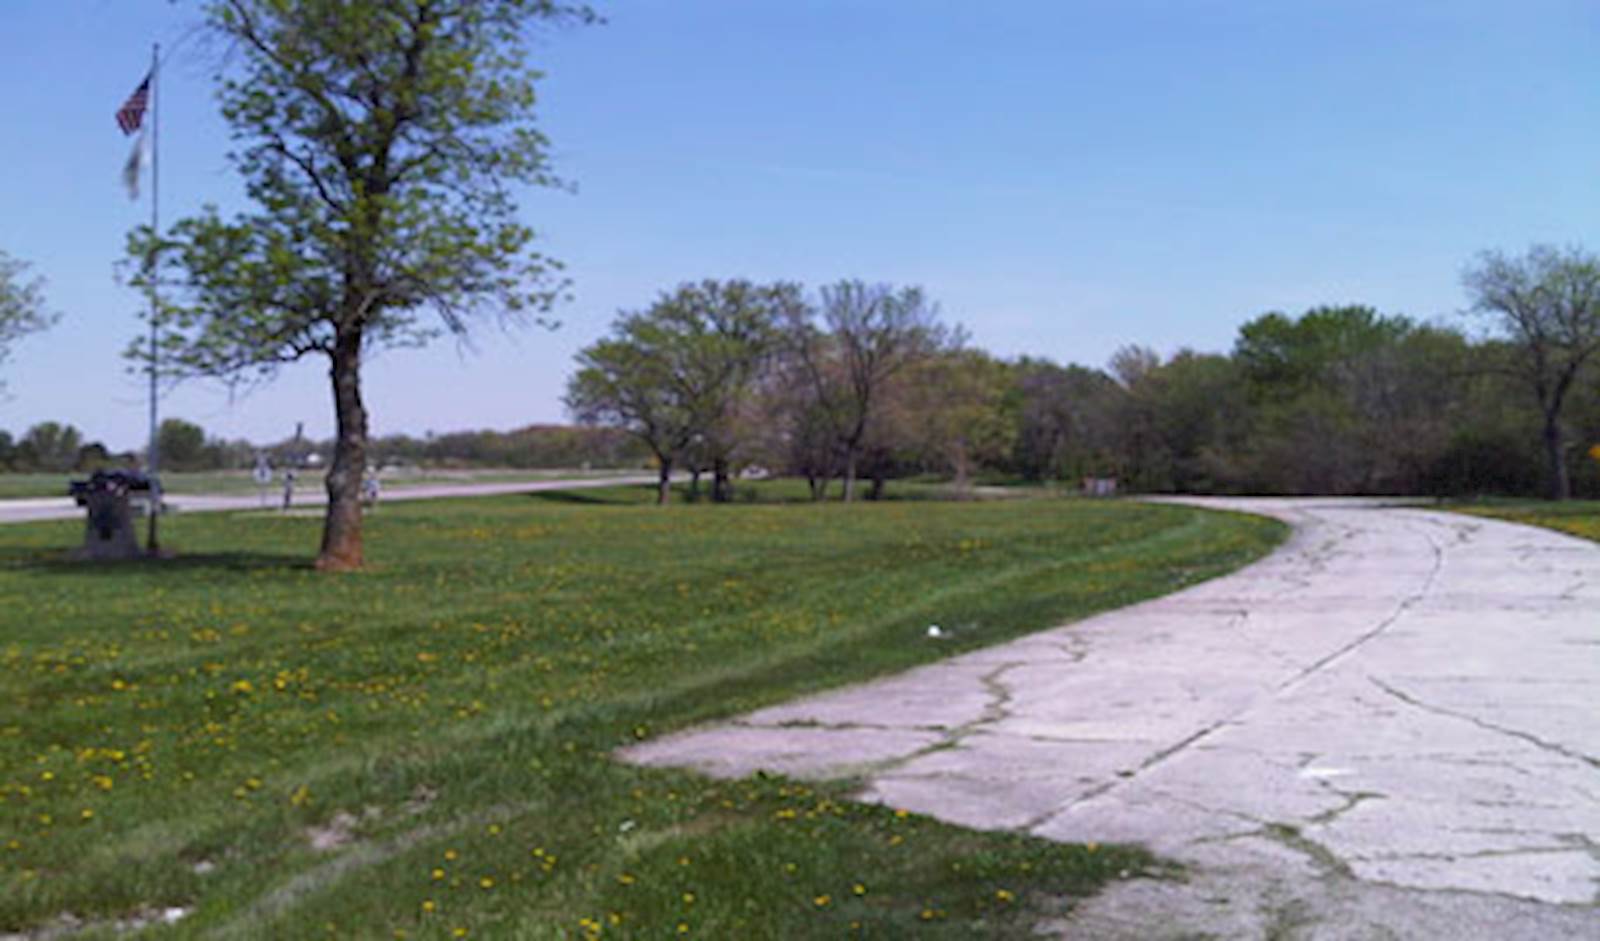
262,473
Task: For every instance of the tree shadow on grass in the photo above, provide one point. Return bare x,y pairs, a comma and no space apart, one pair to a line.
600,496
57,561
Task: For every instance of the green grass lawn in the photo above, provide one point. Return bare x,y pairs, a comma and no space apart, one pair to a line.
422,749
1577,517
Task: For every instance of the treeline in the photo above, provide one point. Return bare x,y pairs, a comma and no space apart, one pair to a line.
536,446
863,382
50,447
54,447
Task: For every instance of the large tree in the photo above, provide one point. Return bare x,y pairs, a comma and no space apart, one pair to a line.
624,381
958,413
678,374
1547,303
22,309
50,446
381,142
869,334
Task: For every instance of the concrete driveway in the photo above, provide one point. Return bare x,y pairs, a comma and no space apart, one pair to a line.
1390,728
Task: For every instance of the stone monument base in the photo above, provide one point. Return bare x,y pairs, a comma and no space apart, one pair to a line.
108,533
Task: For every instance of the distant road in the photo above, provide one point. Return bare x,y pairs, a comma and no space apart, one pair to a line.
55,508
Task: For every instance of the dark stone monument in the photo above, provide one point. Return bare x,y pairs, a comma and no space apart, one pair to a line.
108,531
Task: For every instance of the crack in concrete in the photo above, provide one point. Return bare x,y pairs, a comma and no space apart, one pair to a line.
1454,857
1352,800
1405,605
952,737
1528,737
1123,777
1291,836
836,726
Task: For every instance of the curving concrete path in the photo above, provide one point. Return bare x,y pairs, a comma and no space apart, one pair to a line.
1388,728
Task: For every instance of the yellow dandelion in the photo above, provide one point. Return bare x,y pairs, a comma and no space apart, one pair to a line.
487,882
859,889
822,901
429,906
437,874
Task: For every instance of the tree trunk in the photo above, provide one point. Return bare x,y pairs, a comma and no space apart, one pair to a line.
341,529
694,484
963,471
875,492
664,482
850,476
1555,455
721,491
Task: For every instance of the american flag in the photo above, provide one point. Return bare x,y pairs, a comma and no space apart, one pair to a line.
131,115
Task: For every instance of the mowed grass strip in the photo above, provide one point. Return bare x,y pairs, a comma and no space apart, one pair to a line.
1575,517
423,749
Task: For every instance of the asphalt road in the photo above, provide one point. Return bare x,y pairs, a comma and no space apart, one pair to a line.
1390,728
49,508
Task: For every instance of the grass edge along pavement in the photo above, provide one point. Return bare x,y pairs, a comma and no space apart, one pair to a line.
1579,518
424,748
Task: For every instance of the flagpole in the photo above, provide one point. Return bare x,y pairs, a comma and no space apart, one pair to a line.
152,544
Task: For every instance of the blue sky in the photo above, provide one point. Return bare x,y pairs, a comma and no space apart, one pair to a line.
1065,177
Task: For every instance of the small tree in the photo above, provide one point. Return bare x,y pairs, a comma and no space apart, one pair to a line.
182,444
379,140
22,309
1548,303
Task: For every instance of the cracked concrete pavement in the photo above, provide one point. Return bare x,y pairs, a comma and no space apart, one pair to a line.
1388,728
